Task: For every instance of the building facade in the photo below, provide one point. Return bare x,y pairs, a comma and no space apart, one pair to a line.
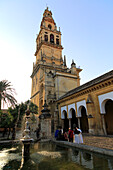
89,106
51,78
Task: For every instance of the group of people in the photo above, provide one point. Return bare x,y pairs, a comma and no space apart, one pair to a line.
74,135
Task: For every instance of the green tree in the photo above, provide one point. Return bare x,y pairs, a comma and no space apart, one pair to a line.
7,93
32,107
6,122
18,113
13,118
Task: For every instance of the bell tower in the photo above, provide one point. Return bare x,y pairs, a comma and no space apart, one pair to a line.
51,78
48,42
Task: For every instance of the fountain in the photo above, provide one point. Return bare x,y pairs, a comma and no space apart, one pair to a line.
26,140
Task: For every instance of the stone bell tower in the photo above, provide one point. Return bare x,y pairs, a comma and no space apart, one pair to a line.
50,77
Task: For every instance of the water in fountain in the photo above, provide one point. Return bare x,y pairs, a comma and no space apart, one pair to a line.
51,156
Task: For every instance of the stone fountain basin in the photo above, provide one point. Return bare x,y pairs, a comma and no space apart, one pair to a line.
26,140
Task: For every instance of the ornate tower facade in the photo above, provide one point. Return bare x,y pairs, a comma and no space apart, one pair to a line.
50,77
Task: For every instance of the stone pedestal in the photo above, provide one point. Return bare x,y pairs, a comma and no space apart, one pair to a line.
26,150
45,122
45,128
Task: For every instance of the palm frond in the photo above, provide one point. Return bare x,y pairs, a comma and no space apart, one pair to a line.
7,93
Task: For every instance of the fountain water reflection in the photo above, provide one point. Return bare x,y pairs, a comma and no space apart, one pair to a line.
53,157
8,155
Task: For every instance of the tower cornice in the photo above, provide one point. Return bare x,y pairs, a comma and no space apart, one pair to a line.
58,68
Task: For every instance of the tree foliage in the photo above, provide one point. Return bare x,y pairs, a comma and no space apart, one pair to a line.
5,120
23,107
13,117
7,93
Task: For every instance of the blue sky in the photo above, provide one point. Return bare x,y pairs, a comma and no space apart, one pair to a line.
87,37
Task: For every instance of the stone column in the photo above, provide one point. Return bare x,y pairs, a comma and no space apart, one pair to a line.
69,123
79,122
62,123
48,37
91,124
103,124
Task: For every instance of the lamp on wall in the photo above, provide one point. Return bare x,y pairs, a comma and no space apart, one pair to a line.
88,101
89,116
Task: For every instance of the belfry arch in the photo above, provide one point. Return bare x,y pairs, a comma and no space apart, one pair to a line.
51,38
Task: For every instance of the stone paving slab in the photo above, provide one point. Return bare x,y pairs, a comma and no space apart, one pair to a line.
99,141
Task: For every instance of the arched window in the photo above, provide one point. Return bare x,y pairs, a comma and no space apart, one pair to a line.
49,26
46,37
51,38
57,41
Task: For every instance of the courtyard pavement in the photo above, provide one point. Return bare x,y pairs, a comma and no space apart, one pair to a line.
105,142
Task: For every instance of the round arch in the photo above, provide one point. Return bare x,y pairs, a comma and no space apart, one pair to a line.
84,120
70,107
109,116
65,120
79,107
103,99
70,113
103,111
74,119
64,114
64,108
51,38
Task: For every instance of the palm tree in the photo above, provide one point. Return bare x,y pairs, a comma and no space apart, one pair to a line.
7,93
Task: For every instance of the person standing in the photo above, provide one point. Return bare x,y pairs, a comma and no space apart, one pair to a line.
76,135
70,135
80,136
65,136
56,134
